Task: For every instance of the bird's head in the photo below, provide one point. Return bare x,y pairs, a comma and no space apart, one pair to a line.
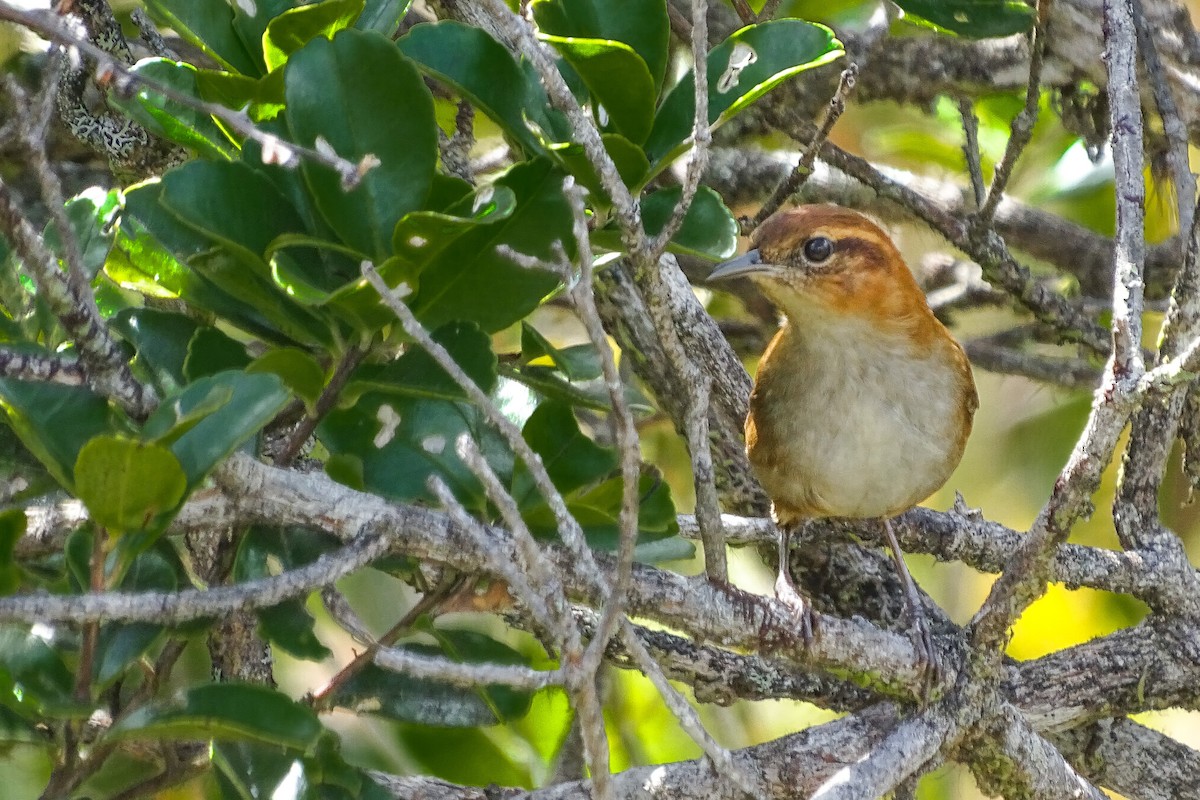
825,260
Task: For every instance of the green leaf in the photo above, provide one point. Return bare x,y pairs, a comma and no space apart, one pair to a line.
579,362
741,69
15,728
250,20
469,280
416,374
242,404
126,484
224,711
171,119
151,248
383,16
54,422
287,625
975,19
597,511
391,441
211,351
618,79
296,368
161,340
120,646
207,25
261,97
571,458
33,676
295,28
630,161
363,98
377,691
418,239
483,71
12,528
643,25
90,214
230,203
709,230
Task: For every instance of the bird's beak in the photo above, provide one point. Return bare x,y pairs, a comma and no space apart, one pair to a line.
746,264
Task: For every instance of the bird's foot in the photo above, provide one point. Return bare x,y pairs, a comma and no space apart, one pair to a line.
929,663
801,608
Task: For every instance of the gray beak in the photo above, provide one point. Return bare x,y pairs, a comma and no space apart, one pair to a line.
746,264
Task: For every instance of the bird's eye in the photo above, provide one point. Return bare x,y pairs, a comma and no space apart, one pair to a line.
818,249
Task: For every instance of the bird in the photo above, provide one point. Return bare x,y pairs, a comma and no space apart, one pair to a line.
863,400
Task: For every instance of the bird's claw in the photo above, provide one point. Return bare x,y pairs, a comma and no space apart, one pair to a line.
802,611
929,663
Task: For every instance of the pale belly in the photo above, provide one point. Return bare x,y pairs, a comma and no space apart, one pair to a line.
869,438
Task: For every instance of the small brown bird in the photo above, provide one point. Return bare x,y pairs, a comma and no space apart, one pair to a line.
863,401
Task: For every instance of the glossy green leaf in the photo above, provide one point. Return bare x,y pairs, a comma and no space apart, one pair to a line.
250,20
16,728
250,770
391,440
151,249
33,675
416,374
244,403
578,362
571,459
161,340
363,98
54,422
12,528
643,25
210,351
741,69
630,161
287,625
206,25
119,647
169,118
90,214
709,230
19,465
296,368
418,240
597,511
975,19
436,752
261,97
224,711
469,280
125,484
482,70
295,28
230,203
383,16
250,282
377,691
618,79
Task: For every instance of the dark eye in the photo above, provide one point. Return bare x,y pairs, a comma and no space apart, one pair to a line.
818,249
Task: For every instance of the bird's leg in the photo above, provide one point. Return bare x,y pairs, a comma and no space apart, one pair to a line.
927,656
785,589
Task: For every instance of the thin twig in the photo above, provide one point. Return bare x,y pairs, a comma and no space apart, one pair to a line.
971,152
1022,124
701,134
325,403
799,174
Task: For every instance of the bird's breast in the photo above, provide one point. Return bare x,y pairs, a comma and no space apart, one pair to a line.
853,424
